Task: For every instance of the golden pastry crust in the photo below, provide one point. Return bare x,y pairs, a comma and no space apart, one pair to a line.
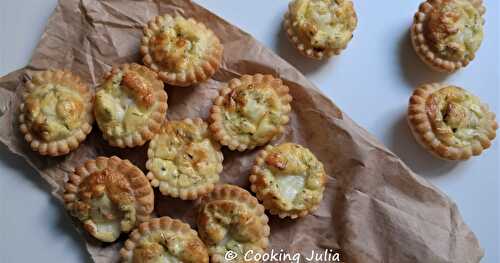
56,112
183,160
183,51
230,218
164,240
450,122
109,196
130,106
447,33
250,111
288,179
320,28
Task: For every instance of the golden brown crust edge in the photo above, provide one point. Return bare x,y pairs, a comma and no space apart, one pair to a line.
64,146
199,74
422,130
418,39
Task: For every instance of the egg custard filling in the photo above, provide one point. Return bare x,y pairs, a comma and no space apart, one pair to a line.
184,161
288,179
454,29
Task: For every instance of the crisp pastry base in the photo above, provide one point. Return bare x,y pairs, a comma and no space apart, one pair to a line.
217,111
423,131
419,41
66,145
195,73
155,119
191,149
118,181
283,158
164,240
305,48
231,216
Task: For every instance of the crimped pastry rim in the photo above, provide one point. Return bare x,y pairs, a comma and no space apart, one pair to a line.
302,47
236,193
260,160
216,122
424,51
197,74
421,128
63,146
190,193
161,223
143,192
154,121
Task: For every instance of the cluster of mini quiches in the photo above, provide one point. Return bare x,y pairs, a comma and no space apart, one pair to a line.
111,196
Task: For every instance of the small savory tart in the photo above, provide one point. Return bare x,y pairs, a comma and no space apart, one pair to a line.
231,219
183,160
288,179
320,28
447,33
450,122
250,111
56,112
183,51
130,105
109,196
164,240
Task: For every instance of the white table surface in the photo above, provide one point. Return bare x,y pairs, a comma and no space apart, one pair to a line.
371,81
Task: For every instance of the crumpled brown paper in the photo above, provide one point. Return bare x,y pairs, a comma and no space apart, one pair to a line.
374,209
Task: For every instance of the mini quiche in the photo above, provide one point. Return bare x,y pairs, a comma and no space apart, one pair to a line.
109,196
450,122
130,105
447,33
320,28
231,219
164,240
183,51
288,179
250,111
183,160
56,112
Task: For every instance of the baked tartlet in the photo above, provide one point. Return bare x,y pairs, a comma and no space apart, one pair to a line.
320,28
231,219
55,115
183,160
183,51
130,105
164,240
447,33
250,111
288,179
450,122
109,196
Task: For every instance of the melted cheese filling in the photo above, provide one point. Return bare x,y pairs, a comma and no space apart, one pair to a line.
455,29
162,246
119,110
457,116
54,112
180,44
106,218
326,24
290,186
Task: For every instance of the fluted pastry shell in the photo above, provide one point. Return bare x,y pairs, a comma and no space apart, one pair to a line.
109,196
447,33
130,105
288,179
320,28
231,219
183,51
250,111
164,240
183,159
55,115
450,122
